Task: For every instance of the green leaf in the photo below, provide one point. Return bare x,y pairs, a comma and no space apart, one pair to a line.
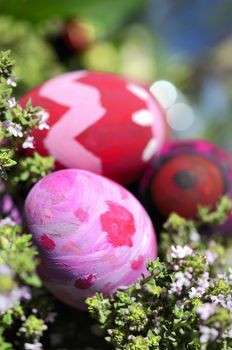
9,163
34,281
7,318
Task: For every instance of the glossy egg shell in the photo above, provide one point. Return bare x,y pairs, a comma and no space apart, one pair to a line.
188,174
92,234
99,122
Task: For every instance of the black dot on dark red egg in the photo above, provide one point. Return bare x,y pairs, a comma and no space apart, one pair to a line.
185,182
185,179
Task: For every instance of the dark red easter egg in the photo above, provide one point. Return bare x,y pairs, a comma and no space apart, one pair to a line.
78,34
187,175
99,122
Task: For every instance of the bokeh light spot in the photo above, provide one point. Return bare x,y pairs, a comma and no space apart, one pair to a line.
165,92
180,117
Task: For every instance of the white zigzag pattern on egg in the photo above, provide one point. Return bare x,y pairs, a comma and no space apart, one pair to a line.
72,153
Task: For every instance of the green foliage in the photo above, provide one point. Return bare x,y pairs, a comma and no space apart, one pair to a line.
179,231
106,13
32,326
6,161
17,252
19,304
6,64
31,169
218,216
184,302
36,60
17,124
22,312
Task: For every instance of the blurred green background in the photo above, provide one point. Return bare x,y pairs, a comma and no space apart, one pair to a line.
181,49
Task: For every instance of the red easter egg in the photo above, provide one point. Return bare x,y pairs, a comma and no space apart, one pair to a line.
78,34
188,174
187,180
99,122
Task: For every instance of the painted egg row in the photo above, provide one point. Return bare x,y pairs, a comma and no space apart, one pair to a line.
92,234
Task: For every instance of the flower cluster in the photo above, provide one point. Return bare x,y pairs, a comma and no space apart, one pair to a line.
24,309
16,123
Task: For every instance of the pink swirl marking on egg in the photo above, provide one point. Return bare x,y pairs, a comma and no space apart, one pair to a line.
119,224
47,243
138,263
82,215
85,282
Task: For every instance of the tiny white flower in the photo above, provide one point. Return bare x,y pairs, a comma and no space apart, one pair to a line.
12,102
194,293
13,128
33,346
211,257
208,334
203,285
204,281
224,300
230,333
11,82
16,130
6,270
194,236
7,221
206,310
51,316
13,297
182,280
29,142
181,252
43,116
215,299
188,275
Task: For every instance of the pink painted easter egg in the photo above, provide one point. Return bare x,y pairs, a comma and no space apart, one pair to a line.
92,234
99,122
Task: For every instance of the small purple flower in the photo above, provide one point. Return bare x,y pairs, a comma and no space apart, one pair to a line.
33,346
206,310
12,102
208,334
13,128
179,252
211,257
43,116
29,142
8,209
11,82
